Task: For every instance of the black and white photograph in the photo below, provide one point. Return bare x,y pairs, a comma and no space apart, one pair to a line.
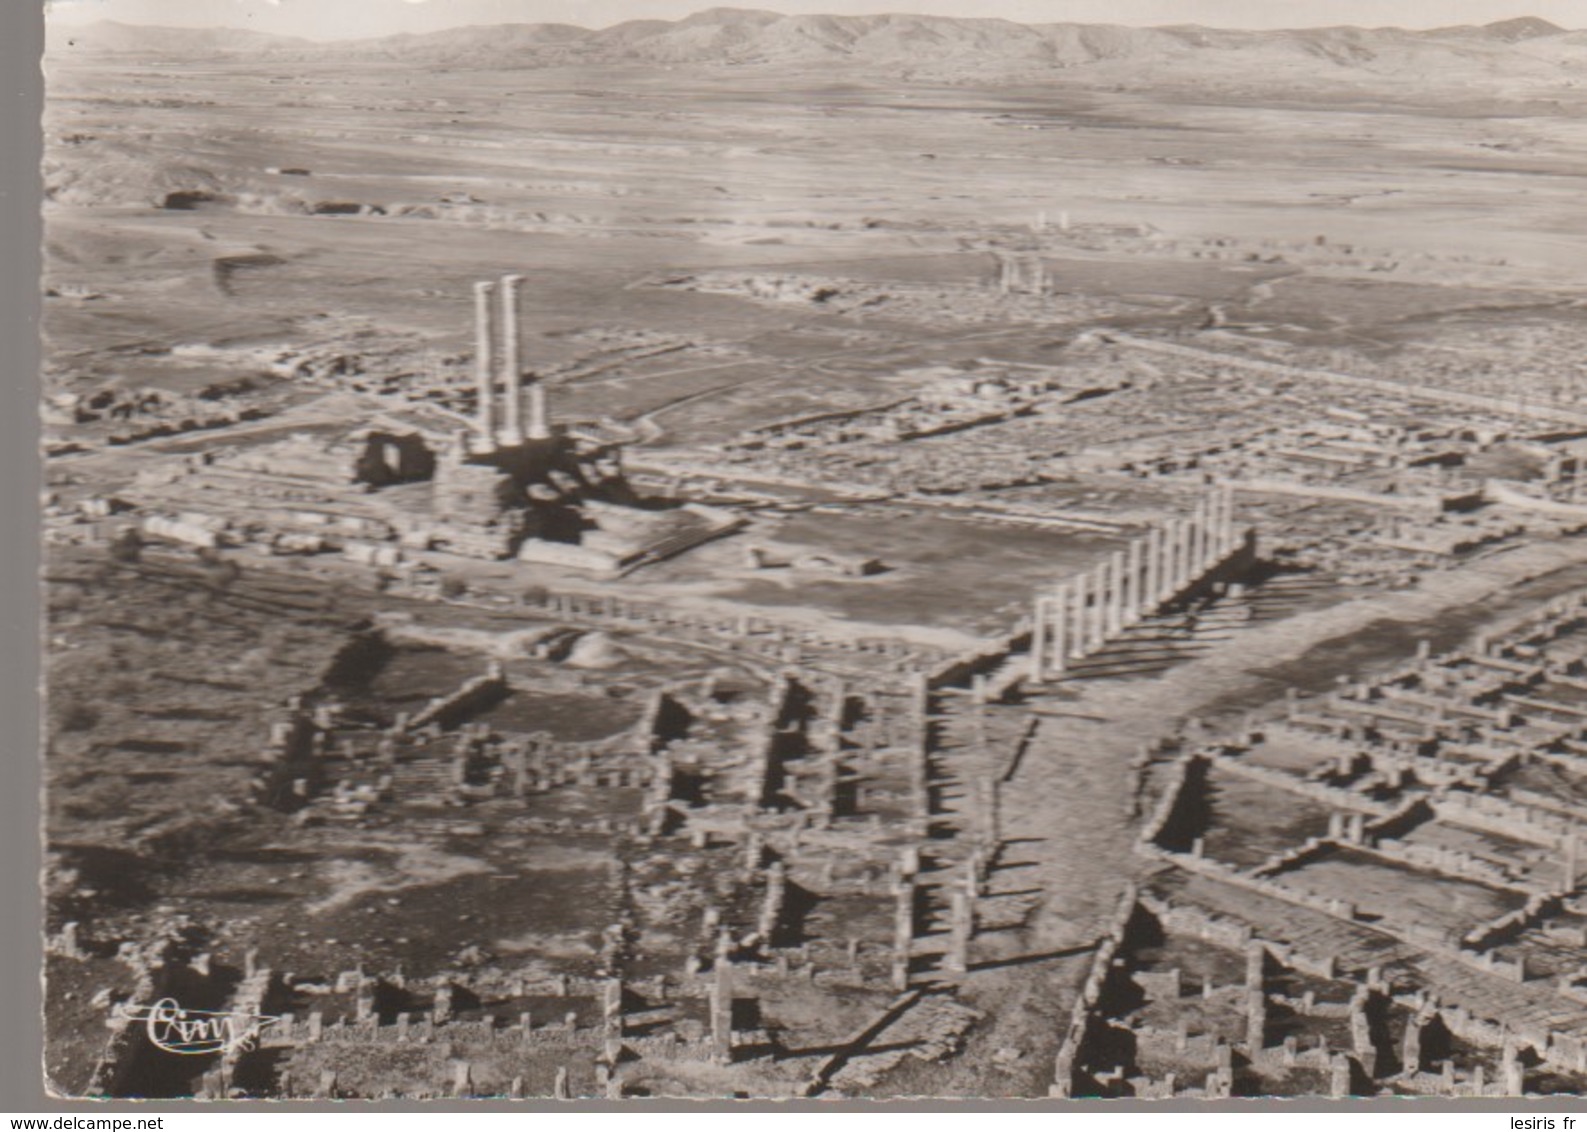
968,550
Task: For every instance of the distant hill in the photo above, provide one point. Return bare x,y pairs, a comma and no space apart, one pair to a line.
110,37
1508,31
1526,48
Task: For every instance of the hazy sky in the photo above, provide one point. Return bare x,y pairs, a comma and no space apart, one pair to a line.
340,19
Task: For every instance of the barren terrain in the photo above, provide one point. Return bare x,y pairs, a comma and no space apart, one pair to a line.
733,809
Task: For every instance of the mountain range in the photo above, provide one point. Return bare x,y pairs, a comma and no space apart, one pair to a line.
1525,48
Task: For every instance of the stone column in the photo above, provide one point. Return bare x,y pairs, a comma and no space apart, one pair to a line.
1514,1073
1099,607
1115,617
1256,1020
1339,1076
1171,558
1078,623
1361,1035
1223,1076
511,364
1411,1051
1200,543
1154,569
1209,535
903,931
1215,523
539,414
1187,552
1207,513
1041,609
1059,653
612,1009
1132,584
722,1007
961,927
485,360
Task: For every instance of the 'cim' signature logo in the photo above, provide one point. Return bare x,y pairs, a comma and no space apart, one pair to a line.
177,1030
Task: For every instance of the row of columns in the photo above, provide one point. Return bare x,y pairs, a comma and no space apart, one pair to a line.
505,364
1076,618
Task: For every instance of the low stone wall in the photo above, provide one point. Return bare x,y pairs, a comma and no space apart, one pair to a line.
473,695
1070,1047
755,633
1507,817
1330,796
1168,802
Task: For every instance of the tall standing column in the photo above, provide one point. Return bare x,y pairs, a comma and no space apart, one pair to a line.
511,362
1214,525
721,999
1154,568
1181,554
1229,536
1214,502
485,360
1099,607
1132,584
1170,559
1187,552
1167,577
1060,635
1078,624
1198,538
1041,610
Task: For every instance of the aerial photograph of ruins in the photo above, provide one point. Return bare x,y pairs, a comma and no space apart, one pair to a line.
779,555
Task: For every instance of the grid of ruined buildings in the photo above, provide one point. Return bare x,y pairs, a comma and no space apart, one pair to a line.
761,635
1016,290
943,399
117,413
1173,561
1444,480
1427,934
964,414
1021,283
1382,447
1528,364
332,760
1055,233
